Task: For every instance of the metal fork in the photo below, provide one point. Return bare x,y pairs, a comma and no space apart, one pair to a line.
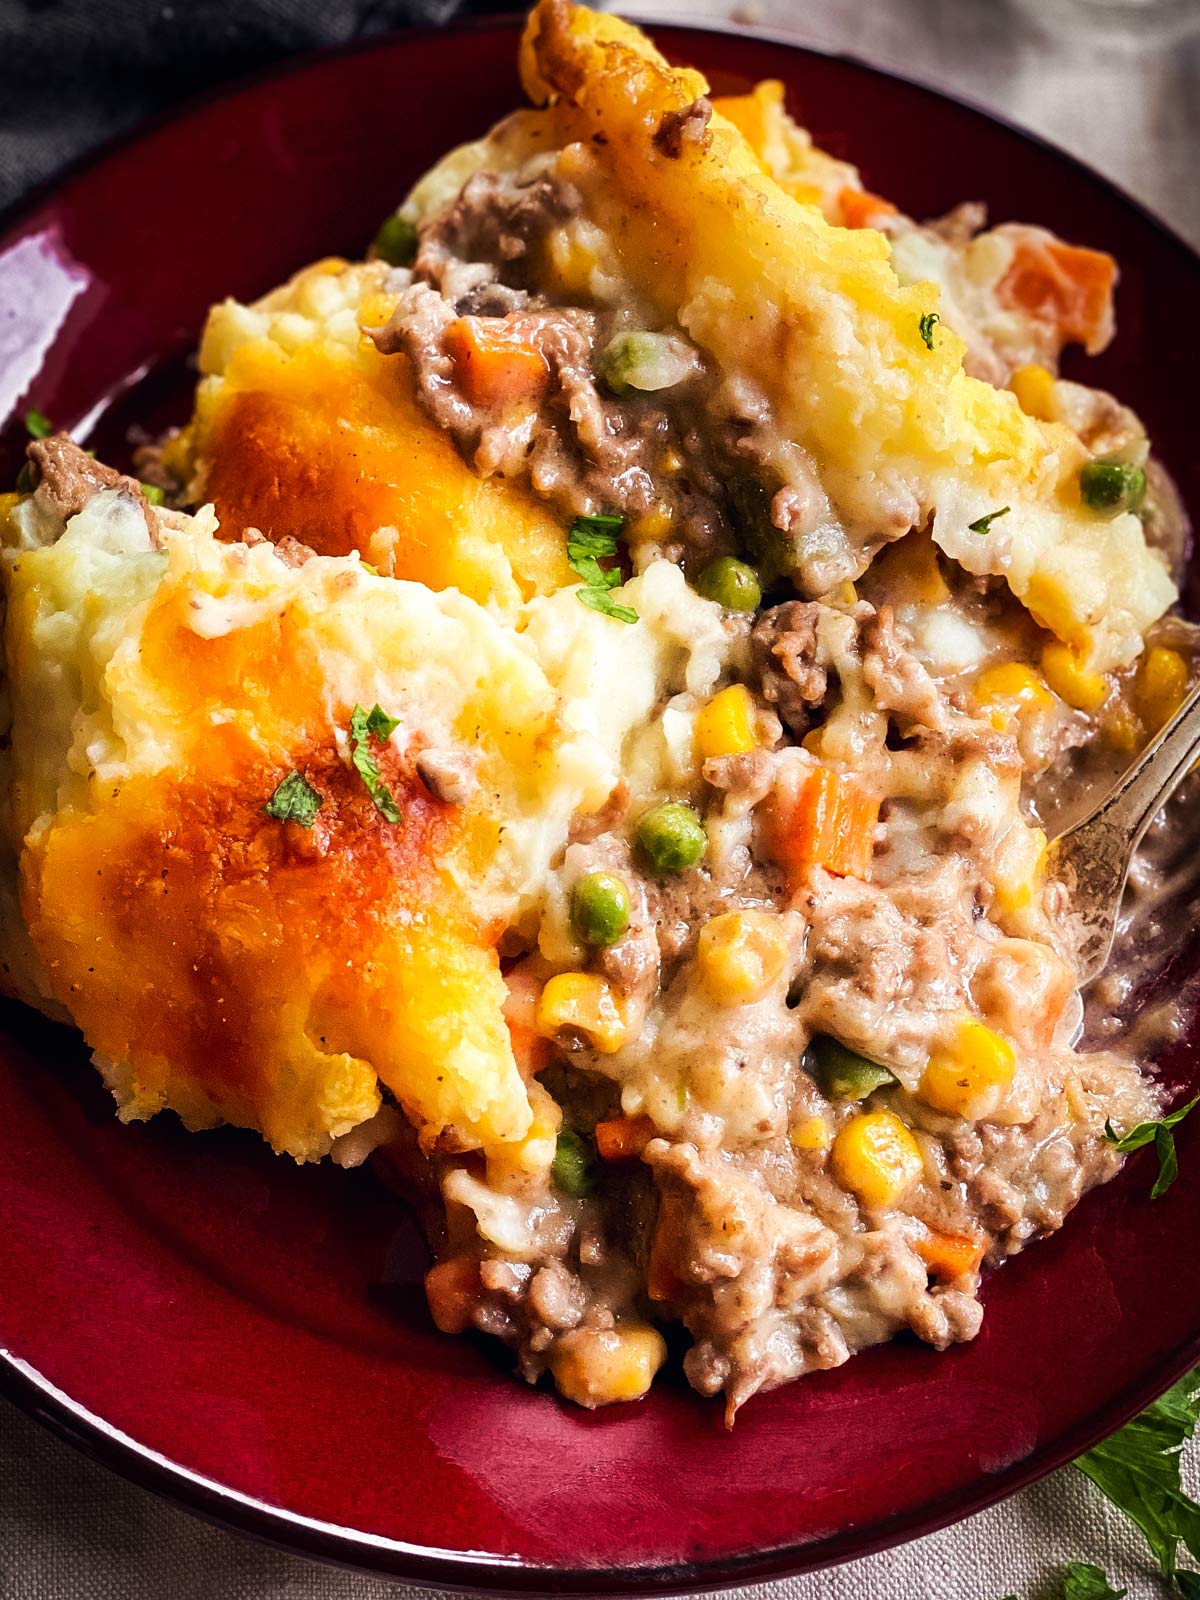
1096,853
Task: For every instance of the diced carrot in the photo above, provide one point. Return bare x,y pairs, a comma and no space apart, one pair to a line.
452,1289
949,1255
1065,284
662,1281
623,1138
859,207
495,361
831,824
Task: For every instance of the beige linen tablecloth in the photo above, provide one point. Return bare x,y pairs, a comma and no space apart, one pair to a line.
69,1531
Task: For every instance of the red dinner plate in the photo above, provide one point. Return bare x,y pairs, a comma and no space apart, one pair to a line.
249,1336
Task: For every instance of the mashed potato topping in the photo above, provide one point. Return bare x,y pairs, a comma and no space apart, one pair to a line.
579,712
232,968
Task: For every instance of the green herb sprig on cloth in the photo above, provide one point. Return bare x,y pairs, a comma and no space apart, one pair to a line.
1137,1468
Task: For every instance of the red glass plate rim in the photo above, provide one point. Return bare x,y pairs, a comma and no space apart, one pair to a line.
23,1384
492,1574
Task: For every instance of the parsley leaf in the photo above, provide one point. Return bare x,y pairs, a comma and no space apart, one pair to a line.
984,524
1087,1582
927,325
362,725
1137,1468
294,800
590,539
381,725
38,424
1159,1133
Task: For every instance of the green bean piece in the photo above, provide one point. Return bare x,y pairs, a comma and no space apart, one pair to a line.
1107,485
672,837
572,1164
842,1073
730,583
396,242
599,908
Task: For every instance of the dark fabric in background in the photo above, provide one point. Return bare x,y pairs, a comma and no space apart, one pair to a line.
74,72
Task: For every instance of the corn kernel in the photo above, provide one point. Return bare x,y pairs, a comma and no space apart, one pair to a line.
1122,731
876,1157
1061,668
582,1003
740,955
725,726
1020,869
966,1076
1160,686
602,1366
1007,689
652,525
810,1133
1033,386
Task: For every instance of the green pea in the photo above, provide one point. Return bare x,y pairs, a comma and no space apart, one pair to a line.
672,837
396,242
599,908
572,1164
842,1073
1107,485
731,583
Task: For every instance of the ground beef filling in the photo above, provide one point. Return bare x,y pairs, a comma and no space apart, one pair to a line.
722,1218
683,463
729,1204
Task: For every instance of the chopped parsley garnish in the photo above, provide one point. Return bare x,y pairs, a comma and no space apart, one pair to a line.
984,524
364,725
294,800
38,424
154,495
376,721
1137,1468
927,324
588,541
1159,1134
